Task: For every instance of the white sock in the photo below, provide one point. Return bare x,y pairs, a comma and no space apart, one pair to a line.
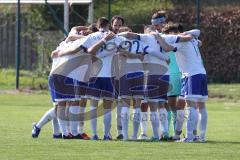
62,120
164,121
136,121
73,120
179,122
191,120
81,123
144,123
93,116
195,126
155,124
48,116
124,121
107,121
203,123
55,126
119,124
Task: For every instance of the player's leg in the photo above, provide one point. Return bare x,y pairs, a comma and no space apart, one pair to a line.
180,113
63,119
73,113
154,119
144,120
203,121
93,118
107,119
136,117
47,117
82,104
118,116
125,117
171,108
163,116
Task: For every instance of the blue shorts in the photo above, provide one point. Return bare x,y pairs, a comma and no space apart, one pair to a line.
65,89
194,88
101,87
157,88
131,85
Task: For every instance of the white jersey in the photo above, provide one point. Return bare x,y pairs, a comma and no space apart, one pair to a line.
135,47
76,73
153,43
105,53
189,58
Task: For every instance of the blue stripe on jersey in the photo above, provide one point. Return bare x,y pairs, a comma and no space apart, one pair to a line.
84,48
178,39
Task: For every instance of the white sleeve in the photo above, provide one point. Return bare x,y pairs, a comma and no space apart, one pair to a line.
194,32
153,52
87,42
171,39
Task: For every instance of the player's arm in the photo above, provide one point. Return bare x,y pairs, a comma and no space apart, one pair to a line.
131,55
184,37
129,35
94,48
74,37
74,33
157,54
64,52
166,47
194,32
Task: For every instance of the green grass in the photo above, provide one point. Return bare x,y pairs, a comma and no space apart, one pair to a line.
27,79
19,110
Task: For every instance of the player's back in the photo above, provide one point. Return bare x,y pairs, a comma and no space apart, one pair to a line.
189,58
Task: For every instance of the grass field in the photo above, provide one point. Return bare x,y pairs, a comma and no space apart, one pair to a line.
19,110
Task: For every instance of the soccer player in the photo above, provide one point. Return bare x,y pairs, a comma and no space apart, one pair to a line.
194,83
103,44
158,80
175,105
51,115
132,83
117,22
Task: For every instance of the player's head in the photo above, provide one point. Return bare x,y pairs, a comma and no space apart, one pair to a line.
124,29
158,19
90,29
103,23
172,28
116,22
149,29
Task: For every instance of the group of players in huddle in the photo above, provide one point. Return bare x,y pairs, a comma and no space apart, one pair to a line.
160,69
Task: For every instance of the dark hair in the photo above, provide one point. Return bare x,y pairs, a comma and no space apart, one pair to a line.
117,17
172,27
93,27
149,28
159,14
102,22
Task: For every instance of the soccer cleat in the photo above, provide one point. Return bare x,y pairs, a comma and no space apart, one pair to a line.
95,137
196,139
187,140
154,139
164,138
57,136
176,138
69,136
85,136
120,136
133,138
107,138
143,137
35,131
78,136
